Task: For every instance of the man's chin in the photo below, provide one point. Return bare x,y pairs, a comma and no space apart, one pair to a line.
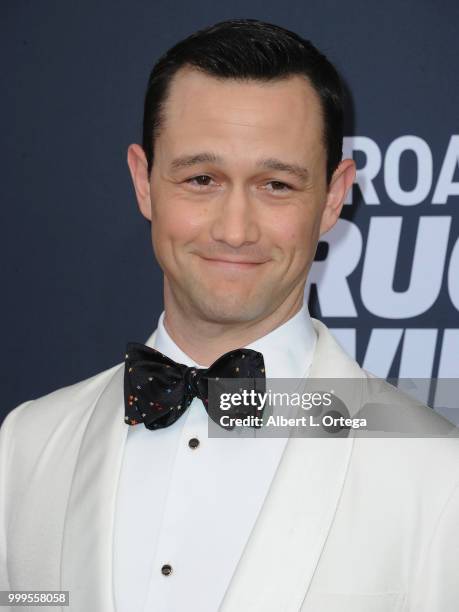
228,310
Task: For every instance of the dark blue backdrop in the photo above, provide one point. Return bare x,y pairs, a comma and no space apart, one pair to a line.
79,279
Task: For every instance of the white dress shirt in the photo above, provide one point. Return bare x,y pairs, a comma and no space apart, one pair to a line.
194,508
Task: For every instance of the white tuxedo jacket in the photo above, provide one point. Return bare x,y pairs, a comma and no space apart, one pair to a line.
348,525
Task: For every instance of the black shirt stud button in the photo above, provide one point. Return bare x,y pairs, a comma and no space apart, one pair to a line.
166,569
193,443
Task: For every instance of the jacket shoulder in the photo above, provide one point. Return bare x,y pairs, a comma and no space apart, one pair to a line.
395,412
41,416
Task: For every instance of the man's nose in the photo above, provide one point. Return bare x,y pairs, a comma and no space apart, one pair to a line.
235,221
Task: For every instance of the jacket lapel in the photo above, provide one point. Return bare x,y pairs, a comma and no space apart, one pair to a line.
87,550
278,563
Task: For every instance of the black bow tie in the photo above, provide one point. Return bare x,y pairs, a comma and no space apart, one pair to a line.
157,390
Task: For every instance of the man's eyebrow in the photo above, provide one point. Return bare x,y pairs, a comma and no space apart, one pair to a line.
276,164
270,163
184,161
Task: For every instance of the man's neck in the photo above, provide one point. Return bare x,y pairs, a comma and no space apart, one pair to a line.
205,341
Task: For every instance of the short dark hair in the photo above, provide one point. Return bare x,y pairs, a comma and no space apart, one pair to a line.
248,49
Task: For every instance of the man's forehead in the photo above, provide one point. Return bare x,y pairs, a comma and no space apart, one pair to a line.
268,124
190,84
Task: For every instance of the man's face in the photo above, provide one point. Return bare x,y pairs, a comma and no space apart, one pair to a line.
236,194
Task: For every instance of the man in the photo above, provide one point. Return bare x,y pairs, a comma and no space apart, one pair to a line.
240,173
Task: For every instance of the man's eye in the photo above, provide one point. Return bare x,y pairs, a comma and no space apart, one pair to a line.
201,181
279,186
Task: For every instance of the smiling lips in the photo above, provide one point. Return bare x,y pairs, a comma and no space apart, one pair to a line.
233,264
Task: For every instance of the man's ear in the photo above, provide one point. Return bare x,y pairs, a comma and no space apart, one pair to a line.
341,181
138,167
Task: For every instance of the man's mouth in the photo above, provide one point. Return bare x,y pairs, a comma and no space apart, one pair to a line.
233,263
